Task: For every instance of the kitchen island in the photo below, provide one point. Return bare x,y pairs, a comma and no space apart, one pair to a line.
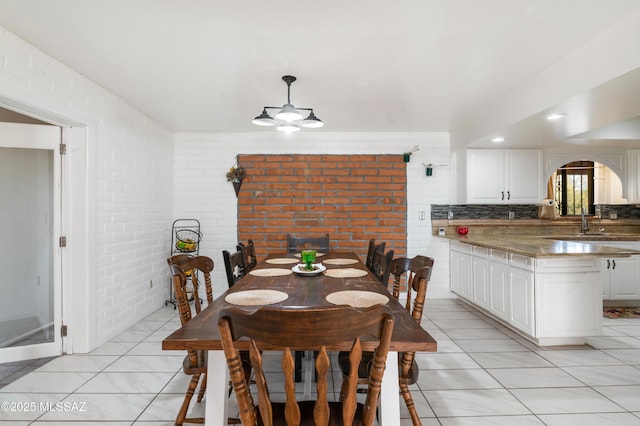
548,289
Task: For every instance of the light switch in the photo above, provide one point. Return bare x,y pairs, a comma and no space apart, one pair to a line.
422,216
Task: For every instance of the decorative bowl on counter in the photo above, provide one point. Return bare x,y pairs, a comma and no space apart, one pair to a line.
462,230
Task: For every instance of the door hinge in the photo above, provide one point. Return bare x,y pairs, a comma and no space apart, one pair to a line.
63,330
63,242
63,148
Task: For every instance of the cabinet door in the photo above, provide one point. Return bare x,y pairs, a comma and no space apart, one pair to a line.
521,300
485,176
623,278
523,176
499,290
481,282
461,274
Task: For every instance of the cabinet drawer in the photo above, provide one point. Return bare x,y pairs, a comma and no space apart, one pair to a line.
480,251
463,248
522,262
499,256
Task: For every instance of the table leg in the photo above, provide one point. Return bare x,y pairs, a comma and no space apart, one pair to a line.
217,395
390,392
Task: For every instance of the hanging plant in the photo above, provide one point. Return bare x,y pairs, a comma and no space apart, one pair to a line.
236,174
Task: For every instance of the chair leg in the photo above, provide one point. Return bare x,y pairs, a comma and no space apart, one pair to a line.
411,406
203,387
182,413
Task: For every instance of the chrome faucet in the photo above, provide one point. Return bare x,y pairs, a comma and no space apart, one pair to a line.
584,227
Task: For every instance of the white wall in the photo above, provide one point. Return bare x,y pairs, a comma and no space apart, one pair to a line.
202,192
129,167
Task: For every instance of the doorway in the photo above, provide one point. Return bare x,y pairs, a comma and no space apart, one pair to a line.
30,254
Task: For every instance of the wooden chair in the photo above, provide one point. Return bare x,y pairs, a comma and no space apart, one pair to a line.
372,248
195,363
380,265
234,266
306,329
248,254
416,272
295,244
192,266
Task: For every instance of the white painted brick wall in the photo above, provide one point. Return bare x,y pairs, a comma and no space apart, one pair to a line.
133,159
202,192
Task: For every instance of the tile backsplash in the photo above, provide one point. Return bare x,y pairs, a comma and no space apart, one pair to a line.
519,211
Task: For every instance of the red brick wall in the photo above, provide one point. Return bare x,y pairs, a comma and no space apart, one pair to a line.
353,198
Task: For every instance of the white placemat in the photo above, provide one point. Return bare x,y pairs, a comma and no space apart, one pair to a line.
346,273
357,298
339,261
282,261
270,272
256,297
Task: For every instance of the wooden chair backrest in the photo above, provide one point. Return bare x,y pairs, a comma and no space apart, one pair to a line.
295,244
372,248
380,265
404,268
248,254
305,329
191,266
234,266
179,281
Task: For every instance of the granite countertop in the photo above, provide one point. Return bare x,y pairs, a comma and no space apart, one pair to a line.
551,246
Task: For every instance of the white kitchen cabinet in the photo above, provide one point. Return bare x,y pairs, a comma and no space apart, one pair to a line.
521,301
481,276
549,300
462,269
499,284
504,176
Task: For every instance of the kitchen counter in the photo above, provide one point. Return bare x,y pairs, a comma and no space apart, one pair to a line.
552,246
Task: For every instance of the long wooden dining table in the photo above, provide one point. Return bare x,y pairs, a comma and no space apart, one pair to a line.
344,272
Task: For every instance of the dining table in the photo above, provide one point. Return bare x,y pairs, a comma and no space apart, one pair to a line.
280,280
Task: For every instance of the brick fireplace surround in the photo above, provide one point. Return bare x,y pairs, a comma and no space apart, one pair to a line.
353,198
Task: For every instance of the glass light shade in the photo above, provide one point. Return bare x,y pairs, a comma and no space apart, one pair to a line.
288,113
264,119
288,128
312,122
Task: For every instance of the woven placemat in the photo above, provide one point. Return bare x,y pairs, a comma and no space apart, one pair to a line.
339,261
346,273
256,297
282,261
357,298
271,272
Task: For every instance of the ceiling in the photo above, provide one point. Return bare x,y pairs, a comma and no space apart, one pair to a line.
371,66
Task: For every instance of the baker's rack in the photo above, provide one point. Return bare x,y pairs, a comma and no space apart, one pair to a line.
185,239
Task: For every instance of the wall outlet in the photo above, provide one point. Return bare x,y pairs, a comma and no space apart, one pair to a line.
450,215
613,216
441,232
422,215
512,215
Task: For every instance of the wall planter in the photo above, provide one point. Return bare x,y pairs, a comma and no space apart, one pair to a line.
236,175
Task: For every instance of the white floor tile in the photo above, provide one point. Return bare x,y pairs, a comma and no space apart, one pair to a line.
626,396
127,383
533,377
79,363
606,375
596,419
133,363
107,406
456,379
490,345
438,360
579,358
483,402
492,421
630,356
565,400
48,382
509,359
24,406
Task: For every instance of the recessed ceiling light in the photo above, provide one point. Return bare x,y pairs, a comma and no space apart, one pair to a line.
497,139
556,116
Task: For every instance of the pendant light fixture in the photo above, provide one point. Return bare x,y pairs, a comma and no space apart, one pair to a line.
288,118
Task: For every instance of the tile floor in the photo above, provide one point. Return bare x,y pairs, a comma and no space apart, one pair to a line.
482,374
